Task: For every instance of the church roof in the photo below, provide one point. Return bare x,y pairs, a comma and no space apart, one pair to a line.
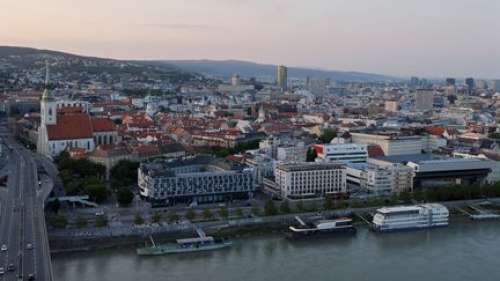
103,125
70,127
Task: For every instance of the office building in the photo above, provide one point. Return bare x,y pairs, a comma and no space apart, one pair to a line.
309,180
379,177
392,144
469,82
342,152
392,106
199,179
282,78
424,99
450,81
434,170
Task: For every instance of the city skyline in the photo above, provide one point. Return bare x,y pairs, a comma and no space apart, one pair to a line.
415,38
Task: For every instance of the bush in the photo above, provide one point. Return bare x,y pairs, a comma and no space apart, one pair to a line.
81,222
240,213
328,204
138,220
156,217
255,210
223,213
300,206
101,221
285,207
270,208
207,214
60,221
190,214
173,216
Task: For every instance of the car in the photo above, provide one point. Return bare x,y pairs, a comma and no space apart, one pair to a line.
31,277
29,246
4,248
2,270
11,267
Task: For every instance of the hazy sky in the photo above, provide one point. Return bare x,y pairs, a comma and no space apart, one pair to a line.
399,37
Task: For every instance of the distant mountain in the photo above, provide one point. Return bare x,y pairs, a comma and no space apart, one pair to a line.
22,67
226,68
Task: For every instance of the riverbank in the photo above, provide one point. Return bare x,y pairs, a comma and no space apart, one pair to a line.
122,236
464,251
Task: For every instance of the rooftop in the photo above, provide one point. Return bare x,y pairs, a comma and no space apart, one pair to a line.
295,167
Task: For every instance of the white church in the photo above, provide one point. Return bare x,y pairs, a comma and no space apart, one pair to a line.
65,125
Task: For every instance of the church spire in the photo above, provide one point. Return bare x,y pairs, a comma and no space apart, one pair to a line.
46,93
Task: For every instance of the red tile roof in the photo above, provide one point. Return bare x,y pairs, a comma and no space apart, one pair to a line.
103,125
375,151
437,131
70,127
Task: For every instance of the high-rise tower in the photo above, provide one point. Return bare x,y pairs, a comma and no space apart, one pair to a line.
282,77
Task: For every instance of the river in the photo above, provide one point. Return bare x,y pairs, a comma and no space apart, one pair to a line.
463,251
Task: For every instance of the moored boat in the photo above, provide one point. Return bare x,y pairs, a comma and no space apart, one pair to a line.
187,245
410,217
321,228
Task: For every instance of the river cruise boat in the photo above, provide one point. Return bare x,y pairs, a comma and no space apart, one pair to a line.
410,217
186,245
320,228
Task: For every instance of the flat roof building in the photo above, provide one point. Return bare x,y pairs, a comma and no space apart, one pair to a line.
308,180
199,179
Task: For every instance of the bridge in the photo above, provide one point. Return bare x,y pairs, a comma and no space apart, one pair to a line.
23,231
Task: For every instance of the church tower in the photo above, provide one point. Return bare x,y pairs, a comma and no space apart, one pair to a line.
48,106
48,116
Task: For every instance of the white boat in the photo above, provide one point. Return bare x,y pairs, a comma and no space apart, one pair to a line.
410,217
321,228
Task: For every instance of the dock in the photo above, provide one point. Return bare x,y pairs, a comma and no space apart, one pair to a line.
369,223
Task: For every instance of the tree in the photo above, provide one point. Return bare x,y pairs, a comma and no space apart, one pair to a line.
285,207
156,217
223,213
125,196
270,208
328,135
97,192
101,221
311,155
81,222
300,206
55,205
60,221
124,174
328,204
255,210
173,216
190,214
207,214
138,220
240,213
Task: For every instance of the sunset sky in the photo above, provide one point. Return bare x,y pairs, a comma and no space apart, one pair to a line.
399,37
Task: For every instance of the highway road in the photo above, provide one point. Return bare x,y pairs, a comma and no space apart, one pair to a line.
22,221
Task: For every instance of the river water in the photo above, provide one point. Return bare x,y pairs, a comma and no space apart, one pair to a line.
464,251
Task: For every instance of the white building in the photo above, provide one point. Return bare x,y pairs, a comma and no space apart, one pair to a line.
343,152
393,144
379,177
303,180
391,106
